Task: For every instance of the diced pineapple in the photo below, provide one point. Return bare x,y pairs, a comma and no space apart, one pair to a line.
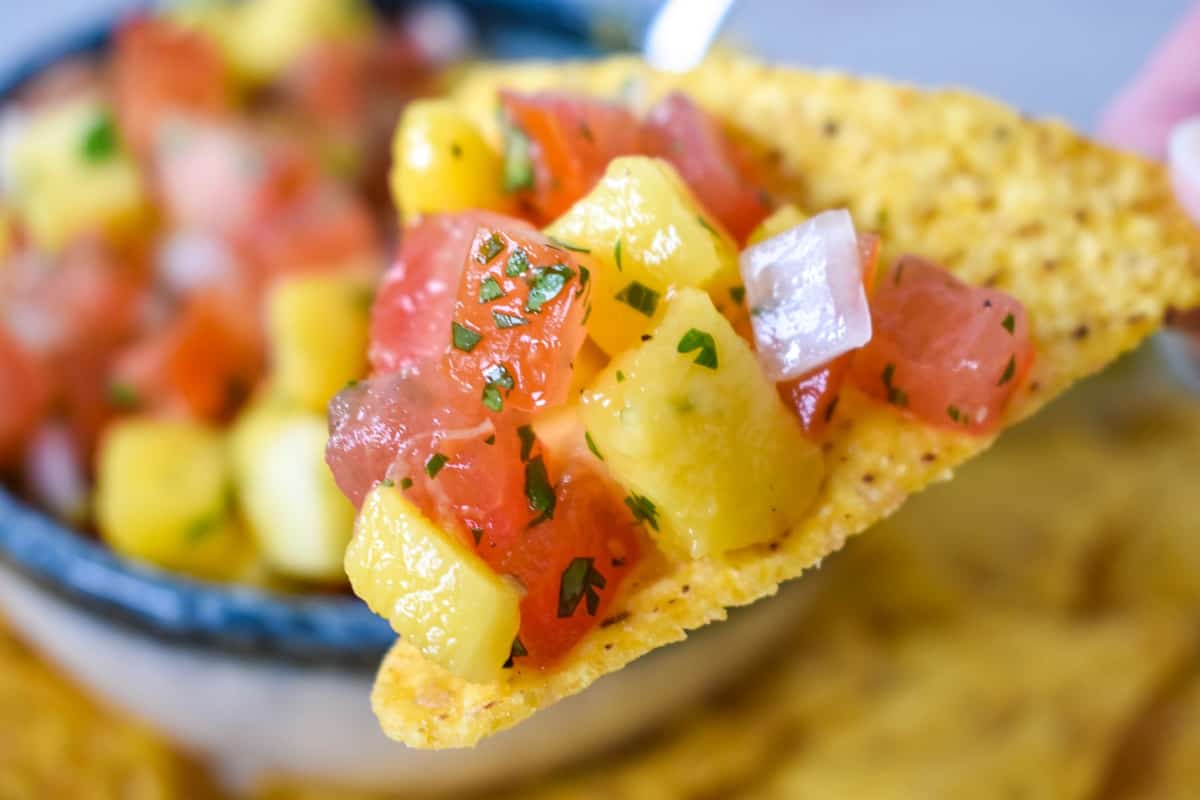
216,19
72,175
690,425
783,219
438,595
164,495
317,329
296,513
441,163
648,236
268,36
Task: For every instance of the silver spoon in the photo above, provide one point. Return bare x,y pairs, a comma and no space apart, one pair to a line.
682,32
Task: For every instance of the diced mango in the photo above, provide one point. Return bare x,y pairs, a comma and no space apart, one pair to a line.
438,594
690,425
164,495
648,236
441,163
782,219
266,37
296,513
72,175
317,330
587,365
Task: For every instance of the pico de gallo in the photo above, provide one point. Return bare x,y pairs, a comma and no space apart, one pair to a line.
192,227
602,345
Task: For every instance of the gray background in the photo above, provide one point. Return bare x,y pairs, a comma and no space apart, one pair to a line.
1064,57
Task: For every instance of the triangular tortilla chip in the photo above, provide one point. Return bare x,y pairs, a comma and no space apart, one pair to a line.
1090,240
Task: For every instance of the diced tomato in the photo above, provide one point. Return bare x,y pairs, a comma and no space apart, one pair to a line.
202,366
949,353
24,395
328,83
684,134
162,69
571,140
518,319
813,396
572,564
487,478
410,321
324,230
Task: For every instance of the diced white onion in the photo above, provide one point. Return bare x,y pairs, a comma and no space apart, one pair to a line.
805,291
1183,156
191,260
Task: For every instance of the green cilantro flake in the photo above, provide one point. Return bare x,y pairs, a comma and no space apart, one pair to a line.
527,437
491,247
580,580
546,285
490,290
456,149
895,395
1010,323
696,339
503,320
406,483
518,164
463,338
387,482
518,262
492,398
539,491
617,254
707,226
123,395
737,294
620,376
1009,371
100,139
497,378
518,650
490,440
954,414
477,535
591,445
587,314
640,298
434,465
574,248
643,510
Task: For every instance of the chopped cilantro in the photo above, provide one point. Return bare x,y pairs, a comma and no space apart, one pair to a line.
617,254
100,139
620,376
497,378
463,338
587,314
591,445
123,395
406,483
434,465
477,535
580,580
527,437
585,275
737,294
518,262
492,398
954,414
490,440
643,509
491,247
538,490
895,395
503,320
201,528
696,339
387,482
640,298
518,165
707,225
1010,323
574,248
490,290
518,650
456,149
546,285
1009,371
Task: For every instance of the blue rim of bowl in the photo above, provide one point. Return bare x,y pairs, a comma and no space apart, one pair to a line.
311,630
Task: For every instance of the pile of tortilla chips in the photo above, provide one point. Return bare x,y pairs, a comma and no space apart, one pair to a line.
997,638
1088,239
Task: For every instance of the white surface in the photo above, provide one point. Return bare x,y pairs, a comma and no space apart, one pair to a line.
251,718
1065,57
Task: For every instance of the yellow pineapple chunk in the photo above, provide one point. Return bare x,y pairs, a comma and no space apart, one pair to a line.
299,518
783,219
441,163
437,594
317,328
71,175
690,425
647,235
263,38
164,495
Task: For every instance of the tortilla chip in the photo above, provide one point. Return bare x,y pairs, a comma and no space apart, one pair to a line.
1088,239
